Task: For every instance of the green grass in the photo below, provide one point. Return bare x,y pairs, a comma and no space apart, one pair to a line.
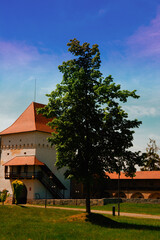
27,223
144,208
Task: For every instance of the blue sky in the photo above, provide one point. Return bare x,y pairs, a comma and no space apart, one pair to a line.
33,38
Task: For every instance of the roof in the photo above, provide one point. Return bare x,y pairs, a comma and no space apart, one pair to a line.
29,121
24,160
138,175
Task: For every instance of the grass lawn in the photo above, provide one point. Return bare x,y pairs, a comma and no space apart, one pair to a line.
26,223
144,208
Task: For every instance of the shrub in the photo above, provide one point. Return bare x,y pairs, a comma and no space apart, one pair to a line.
4,195
17,189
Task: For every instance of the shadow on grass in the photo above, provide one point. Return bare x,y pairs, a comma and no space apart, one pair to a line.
103,221
22,206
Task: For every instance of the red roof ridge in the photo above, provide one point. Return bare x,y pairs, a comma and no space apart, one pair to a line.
138,175
34,112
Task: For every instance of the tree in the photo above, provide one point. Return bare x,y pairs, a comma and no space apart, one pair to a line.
92,133
151,157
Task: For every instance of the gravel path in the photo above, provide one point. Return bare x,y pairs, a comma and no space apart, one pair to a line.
135,215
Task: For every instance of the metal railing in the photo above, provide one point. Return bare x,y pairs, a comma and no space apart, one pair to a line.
21,175
50,184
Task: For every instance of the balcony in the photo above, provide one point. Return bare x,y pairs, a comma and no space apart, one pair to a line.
23,175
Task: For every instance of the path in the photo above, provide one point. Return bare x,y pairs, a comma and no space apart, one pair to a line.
136,215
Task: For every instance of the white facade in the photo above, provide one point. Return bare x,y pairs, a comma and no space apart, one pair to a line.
30,144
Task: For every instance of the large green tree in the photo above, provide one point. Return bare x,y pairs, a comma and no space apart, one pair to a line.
92,131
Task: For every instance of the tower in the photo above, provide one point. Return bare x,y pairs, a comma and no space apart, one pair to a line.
27,155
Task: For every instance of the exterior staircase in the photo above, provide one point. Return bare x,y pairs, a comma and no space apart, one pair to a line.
51,182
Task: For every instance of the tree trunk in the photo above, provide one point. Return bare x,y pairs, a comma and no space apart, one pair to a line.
88,208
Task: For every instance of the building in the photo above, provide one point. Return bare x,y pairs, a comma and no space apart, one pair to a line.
145,184
27,155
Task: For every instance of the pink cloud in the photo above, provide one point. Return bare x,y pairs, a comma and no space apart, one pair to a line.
16,54
146,40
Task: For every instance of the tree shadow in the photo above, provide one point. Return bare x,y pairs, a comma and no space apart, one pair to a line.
103,221
22,206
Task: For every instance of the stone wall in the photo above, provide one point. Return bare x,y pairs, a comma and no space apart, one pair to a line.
72,202
94,202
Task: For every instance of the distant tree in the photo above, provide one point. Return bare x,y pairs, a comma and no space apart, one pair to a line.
92,131
151,157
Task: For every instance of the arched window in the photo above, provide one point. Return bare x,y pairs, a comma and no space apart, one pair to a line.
137,195
154,196
121,195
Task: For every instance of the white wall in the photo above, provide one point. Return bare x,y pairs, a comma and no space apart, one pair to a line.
47,154
25,144
13,145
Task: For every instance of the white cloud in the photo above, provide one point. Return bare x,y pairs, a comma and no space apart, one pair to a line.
142,111
14,54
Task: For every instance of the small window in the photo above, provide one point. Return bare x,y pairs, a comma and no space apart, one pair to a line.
24,152
7,153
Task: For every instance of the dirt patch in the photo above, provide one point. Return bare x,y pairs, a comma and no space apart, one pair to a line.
82,217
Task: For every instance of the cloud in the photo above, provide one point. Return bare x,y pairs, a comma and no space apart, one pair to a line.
16,54
145,42
17,59
142,111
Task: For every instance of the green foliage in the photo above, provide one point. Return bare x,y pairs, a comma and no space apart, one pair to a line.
4,195
92,133
151,157
17,188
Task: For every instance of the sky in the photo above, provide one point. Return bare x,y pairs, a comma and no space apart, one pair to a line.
33,43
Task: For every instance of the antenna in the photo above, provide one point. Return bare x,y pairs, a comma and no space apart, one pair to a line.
35,90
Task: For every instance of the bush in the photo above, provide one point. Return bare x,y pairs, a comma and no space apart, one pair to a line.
4,195
17,189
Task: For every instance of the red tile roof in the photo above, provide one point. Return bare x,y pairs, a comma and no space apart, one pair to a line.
138,175
23,160
29,121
